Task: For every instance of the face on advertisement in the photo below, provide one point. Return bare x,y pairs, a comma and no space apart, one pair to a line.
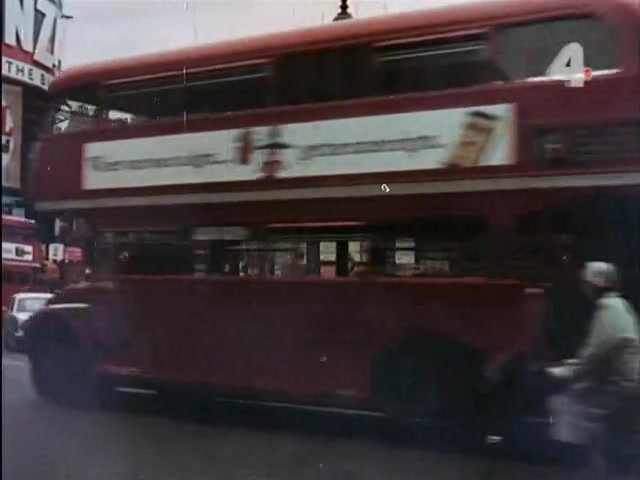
477,132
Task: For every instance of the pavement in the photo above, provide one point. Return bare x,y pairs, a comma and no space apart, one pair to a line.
145,438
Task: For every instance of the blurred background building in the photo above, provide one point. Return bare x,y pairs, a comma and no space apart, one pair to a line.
31,45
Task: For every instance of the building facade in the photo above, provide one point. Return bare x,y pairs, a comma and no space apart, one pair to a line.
31,44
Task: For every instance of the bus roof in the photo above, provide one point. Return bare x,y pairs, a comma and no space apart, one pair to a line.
462,17
19,222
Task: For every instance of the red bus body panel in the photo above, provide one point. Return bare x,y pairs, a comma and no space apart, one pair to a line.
59,173
304,339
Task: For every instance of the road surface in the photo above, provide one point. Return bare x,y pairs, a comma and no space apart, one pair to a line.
146,439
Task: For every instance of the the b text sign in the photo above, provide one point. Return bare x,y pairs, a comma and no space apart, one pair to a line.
31,40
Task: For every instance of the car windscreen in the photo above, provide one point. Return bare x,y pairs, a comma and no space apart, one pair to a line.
31,305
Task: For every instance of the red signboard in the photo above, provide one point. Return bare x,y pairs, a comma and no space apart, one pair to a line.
73,254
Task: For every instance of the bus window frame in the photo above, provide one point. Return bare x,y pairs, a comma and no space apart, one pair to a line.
488,69
470,233
618,43
434,52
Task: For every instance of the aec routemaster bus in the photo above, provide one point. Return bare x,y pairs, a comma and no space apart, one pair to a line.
364,214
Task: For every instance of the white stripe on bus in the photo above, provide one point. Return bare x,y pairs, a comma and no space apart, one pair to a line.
351,191
9,263
295,406
69,305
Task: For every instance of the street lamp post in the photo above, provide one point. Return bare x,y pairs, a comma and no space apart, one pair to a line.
343,14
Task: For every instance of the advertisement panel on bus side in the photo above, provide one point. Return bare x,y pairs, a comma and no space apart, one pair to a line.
11,135
479,135
17,251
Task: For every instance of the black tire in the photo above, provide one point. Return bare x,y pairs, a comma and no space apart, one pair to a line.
10,342
427,377
60,370
404,386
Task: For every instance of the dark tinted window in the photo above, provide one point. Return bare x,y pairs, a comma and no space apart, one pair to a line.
324,75
446,246
434,65
219,91
435,247
145,253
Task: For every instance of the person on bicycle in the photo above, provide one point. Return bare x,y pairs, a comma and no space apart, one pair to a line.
605,367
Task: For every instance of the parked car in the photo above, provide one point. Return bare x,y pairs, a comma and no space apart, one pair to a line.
21,307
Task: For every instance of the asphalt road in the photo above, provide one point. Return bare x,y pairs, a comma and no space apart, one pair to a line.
143,438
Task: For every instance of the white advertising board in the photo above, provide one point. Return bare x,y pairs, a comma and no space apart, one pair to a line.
462,137
17,251
56,252
11,135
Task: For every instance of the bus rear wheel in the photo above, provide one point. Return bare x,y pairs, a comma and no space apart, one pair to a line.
404,386
427,377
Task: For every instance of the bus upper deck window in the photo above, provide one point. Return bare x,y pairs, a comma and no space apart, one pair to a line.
434,64
526,50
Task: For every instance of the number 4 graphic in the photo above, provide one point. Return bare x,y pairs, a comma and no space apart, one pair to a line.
569,65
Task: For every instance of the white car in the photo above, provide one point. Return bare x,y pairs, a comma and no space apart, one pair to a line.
22,306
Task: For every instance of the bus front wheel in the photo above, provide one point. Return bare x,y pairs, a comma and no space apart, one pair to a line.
62,372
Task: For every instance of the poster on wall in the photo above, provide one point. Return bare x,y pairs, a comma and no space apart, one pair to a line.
11,135
482,135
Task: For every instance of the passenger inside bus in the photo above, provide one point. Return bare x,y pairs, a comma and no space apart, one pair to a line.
296,267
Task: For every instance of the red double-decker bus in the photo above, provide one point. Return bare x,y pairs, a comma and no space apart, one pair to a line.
364,214
22,256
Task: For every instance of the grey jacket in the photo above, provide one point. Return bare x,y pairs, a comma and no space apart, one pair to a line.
612,350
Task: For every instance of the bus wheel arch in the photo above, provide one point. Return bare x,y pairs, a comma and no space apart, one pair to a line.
403,385
61,369
426,375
